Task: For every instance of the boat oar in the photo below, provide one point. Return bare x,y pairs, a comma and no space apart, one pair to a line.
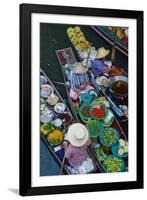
58,82
65,145
62,164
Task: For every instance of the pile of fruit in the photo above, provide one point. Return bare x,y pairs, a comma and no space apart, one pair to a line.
78,39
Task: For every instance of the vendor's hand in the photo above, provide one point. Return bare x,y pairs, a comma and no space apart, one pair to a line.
82,86
65,144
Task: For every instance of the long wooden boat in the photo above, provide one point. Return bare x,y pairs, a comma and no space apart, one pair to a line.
116,123
54,149
108,35
120,71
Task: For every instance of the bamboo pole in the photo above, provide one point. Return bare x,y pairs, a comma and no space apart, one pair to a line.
62,164
113,48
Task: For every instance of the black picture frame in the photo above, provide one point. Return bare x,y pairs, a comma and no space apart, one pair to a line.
25,187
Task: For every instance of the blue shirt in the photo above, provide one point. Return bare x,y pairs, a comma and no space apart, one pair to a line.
98,67
78,79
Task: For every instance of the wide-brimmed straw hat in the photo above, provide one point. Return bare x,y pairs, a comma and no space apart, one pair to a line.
77,134
79,69
102,52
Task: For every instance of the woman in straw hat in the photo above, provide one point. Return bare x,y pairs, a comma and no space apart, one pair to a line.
78,137
78,76
100,65
79,80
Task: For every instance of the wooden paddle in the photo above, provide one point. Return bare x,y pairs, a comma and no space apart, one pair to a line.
62,164
65,145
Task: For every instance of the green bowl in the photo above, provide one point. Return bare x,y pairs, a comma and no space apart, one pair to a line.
97,118
112,159
95,128
115,151
84,118
116,134
86,98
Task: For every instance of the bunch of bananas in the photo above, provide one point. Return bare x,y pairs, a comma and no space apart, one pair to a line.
77,37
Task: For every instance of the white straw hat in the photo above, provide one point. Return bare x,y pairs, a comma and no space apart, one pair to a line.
79,69
77,134
102,52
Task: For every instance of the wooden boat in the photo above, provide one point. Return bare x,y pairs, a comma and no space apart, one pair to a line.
108,35
116,124
52,149
114,71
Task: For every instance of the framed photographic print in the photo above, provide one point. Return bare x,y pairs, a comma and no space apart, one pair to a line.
81,99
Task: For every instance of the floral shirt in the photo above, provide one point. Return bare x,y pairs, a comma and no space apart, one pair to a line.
99,67
77,155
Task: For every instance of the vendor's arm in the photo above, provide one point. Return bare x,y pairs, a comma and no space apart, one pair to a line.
65,144
68,153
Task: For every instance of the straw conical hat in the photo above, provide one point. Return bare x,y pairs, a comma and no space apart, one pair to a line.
102,52
79,69
77,134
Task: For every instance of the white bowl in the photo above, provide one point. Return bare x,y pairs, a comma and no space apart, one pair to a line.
59,107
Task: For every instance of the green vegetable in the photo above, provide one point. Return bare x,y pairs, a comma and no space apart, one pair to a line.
113,164
100,154
109,137
95,127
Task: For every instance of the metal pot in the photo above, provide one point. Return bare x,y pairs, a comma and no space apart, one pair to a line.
115,79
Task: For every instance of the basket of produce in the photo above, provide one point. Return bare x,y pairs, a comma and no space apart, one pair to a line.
100,101
55,137
46,115
52,99
77,38
66,118
100,154
84,113
46,128
46,90
120,149
98,111
59,108
109,137
103,80
113,164
95,128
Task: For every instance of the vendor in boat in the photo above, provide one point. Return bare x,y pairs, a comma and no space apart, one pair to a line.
100,66
79,80
76,152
